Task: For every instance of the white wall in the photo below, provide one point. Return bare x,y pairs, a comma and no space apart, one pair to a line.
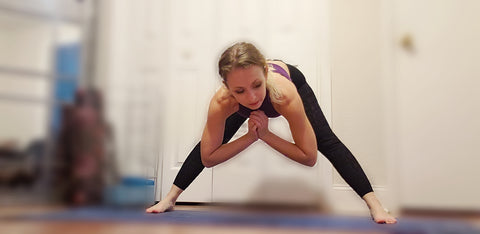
357,98
25,44
410,113
437,93
361,102
130,59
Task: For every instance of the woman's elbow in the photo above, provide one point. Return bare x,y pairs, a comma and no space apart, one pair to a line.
311,160
207,162
209,165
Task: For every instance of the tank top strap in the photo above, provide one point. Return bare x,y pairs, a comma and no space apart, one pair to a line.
278,69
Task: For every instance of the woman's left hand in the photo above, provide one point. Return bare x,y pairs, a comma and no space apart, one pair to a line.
261,121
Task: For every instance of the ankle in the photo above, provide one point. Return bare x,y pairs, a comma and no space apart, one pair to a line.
372,201
173,194
170,198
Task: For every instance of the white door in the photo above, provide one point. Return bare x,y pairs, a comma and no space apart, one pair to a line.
190,81
260,174
438,89
198,33
360,105
299,33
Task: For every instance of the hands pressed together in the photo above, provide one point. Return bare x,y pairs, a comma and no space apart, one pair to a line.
258,124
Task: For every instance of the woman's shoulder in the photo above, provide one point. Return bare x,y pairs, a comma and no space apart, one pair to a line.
282,90
223,100
221,94
281,63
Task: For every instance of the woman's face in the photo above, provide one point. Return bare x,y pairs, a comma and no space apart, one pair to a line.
248,86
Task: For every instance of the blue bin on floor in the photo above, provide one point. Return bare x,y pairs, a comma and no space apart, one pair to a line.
131,191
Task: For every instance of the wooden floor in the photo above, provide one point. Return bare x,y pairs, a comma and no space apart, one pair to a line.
12,226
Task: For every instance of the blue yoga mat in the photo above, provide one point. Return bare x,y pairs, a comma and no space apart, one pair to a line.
305,221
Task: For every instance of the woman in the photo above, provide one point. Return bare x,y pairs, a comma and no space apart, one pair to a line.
256,89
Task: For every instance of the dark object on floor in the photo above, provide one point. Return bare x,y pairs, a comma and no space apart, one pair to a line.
19,166
84,164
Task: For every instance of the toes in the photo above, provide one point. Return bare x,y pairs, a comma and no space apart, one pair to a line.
159,209
391,221
151,210
381,221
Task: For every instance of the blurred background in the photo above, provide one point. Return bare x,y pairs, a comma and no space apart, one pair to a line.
103,100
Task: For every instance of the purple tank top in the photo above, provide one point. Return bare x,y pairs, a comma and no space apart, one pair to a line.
266,106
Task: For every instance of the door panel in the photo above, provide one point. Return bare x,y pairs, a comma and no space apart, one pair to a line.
438,110
190,82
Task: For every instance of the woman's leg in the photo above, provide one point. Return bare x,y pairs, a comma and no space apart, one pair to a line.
192,167
331,147
335,151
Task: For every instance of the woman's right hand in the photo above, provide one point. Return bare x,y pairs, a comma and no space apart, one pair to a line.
252,129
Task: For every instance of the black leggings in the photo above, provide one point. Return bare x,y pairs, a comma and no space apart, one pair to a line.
327,142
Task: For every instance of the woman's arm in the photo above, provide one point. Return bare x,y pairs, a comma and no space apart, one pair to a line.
213,152
304,148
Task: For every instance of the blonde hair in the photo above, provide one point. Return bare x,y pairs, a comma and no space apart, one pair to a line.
243,55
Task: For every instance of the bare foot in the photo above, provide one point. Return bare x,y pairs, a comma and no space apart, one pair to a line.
382,216
167,203
378,213
163,206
